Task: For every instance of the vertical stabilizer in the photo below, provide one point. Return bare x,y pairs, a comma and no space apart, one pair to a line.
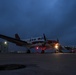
17,36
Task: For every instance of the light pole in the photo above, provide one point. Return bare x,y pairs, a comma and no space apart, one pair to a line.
5,42
5,45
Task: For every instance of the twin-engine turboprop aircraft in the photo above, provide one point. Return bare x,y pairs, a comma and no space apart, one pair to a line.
38,43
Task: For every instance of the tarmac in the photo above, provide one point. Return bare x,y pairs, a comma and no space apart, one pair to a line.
40,64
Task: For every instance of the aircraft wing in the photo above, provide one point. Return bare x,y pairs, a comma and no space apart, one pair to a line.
14,40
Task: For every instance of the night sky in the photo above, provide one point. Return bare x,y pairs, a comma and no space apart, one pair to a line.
32,18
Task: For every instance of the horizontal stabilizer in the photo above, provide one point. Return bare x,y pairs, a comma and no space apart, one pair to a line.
16,40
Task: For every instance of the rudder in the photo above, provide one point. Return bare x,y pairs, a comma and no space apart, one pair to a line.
17,36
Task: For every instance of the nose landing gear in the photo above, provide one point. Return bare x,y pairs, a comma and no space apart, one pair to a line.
28,51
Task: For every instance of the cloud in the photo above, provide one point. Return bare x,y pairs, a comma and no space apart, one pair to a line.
55,18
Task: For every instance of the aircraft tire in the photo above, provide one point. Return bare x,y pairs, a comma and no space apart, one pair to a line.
28,51
42,51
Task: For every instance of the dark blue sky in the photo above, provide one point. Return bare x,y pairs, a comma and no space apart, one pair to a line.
30,18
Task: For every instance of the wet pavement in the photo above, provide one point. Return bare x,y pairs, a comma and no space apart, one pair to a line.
40,64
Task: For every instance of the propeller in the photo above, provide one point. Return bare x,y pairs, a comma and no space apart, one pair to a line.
57,40
44,37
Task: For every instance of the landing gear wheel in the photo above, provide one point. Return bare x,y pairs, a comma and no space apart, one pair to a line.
28,51
42,51
60,51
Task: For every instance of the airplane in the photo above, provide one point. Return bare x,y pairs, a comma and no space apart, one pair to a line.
38,42
72,49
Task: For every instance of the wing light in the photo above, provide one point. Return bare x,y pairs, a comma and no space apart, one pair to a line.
56,46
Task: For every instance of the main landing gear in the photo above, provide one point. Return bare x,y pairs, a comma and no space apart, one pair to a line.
28,51
58,51
42,51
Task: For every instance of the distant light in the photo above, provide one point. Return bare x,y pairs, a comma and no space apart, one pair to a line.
5,42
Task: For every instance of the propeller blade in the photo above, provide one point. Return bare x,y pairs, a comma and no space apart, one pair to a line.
57,40
44,37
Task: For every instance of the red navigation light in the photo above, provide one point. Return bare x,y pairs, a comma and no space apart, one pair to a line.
43,48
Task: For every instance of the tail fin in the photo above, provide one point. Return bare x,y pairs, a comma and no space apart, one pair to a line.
17,36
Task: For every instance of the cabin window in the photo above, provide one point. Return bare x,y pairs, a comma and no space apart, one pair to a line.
34,39
39,38
30,40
